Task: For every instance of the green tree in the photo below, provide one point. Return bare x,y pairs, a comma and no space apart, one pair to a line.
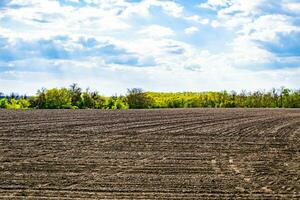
13,104
115,102
87,101
286,98
99,101
24,103
136,98
40,100
58,98
3,103
76,93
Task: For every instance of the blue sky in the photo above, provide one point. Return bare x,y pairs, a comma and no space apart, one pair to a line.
158,45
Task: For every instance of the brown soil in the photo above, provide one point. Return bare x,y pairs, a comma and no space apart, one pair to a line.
150,154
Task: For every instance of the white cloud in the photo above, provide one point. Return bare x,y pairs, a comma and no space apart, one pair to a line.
191,30
254,22
247,54
45,19
142,8
111,80
234,13
197,19
156,31
294,7
171,8
215,24
215,4
23,2
266,27
4,32
241,8
73,1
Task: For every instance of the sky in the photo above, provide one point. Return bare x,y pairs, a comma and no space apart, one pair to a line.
157,45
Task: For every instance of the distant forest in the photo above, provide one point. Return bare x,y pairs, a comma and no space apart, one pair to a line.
75,97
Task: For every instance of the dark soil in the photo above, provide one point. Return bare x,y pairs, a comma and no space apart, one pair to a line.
150,154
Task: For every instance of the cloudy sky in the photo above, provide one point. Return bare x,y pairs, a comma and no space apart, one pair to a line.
158,45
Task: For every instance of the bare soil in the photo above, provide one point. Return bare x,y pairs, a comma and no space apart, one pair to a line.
150,154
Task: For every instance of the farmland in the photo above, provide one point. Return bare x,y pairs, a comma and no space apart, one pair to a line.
148,154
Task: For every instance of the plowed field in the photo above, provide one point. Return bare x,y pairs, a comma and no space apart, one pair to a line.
150,154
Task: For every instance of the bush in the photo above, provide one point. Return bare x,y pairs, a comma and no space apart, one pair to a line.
138,99
58,98
24,103
3,103
13,104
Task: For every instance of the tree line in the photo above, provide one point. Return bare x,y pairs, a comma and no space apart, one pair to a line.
75,97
